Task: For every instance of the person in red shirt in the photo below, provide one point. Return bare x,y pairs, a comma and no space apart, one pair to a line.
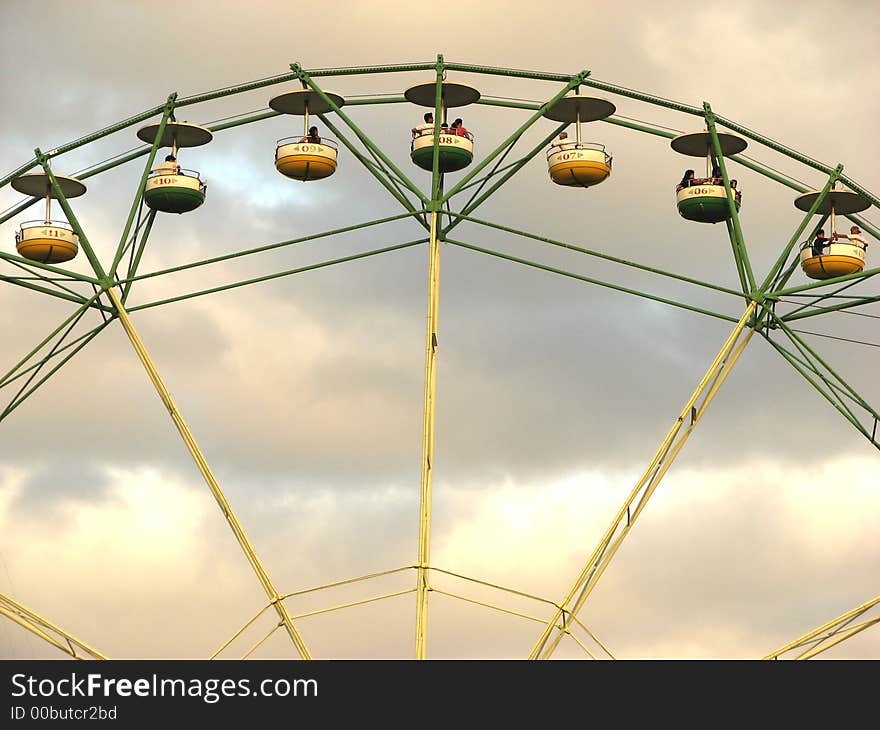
458,128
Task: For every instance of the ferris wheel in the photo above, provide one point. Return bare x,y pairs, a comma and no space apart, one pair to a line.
820,259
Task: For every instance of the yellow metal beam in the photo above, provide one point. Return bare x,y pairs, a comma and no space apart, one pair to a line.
644,488
361,602
493,585
259,643
210,480
238,633
487,605
348,581
422,587
580,643
838,637
831,629
46,630
335,584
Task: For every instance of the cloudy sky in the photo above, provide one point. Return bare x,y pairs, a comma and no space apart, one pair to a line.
305,393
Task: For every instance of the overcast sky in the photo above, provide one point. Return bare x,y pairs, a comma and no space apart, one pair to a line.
305,393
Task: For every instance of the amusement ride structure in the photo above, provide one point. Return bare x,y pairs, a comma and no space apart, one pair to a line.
772,301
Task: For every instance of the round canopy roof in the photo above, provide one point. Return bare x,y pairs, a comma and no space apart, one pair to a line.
188,135
35,185
294,102
591,108
843,201
454,94
698,144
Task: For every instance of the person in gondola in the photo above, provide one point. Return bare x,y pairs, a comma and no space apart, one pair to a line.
855,237
458,128
820,242
169,167
426,128
563,142
717,179
312,137
687,180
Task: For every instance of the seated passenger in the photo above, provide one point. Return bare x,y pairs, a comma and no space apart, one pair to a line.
717,178
820,242
563,142
312,137
687,180
855,237
459,129
426,128
169,167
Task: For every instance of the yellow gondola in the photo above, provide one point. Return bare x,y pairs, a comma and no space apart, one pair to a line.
310,156
572,162
47,241
841,256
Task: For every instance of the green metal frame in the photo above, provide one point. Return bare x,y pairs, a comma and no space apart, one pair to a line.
433,211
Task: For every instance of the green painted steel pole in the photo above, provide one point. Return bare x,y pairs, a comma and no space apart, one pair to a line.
832,308
54,281
480,182
139,193
838,392
135,261
133,155
489,101
103,279
39,363
739,244
45,340
377,100
41,289
641,96
518,133
52,352
439,113
639,127
278,275
374,170
374,166
12,258
590,280
509,72
740,270
12,406
26,167
267,247
305,78
472,205
231,90
360,70
803,346
598,254
793,362
783,257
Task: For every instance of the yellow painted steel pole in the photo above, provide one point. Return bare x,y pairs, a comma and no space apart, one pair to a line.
39,626
827,627
663,458
838,638
423,587
208,475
